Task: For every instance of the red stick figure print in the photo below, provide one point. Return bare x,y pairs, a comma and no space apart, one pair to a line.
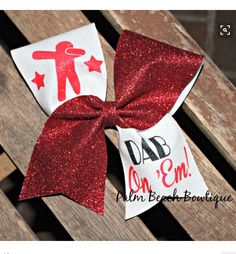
65,67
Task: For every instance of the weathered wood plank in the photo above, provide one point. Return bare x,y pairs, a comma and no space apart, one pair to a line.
211,103
6,166
21,121
201,221
12,225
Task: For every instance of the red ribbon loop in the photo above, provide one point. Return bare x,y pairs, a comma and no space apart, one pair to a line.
70,156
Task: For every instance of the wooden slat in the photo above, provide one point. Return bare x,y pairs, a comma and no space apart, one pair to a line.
6,166
21,121
12,225
201,220
211,103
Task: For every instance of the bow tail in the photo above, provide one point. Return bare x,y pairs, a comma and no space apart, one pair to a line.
69,158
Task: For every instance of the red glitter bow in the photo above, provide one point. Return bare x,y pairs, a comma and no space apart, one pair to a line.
70,156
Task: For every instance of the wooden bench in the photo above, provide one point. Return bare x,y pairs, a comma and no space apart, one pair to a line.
211,106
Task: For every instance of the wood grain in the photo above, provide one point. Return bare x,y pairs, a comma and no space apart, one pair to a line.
211,103
6,166
12,225
21,121
196,218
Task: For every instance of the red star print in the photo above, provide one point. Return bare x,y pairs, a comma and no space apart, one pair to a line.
38,80
94,64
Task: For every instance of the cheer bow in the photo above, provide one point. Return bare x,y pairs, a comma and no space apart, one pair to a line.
70,156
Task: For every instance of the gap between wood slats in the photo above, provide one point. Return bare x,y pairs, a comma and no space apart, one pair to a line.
12,225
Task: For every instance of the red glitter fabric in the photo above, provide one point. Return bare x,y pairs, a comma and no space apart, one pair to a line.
70,156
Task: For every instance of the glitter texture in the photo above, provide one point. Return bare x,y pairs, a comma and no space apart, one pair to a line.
70,156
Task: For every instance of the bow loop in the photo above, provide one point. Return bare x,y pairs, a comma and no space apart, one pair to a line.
80,108
150,74
89,108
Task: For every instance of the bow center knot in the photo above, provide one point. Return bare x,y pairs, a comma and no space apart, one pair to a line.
110,115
